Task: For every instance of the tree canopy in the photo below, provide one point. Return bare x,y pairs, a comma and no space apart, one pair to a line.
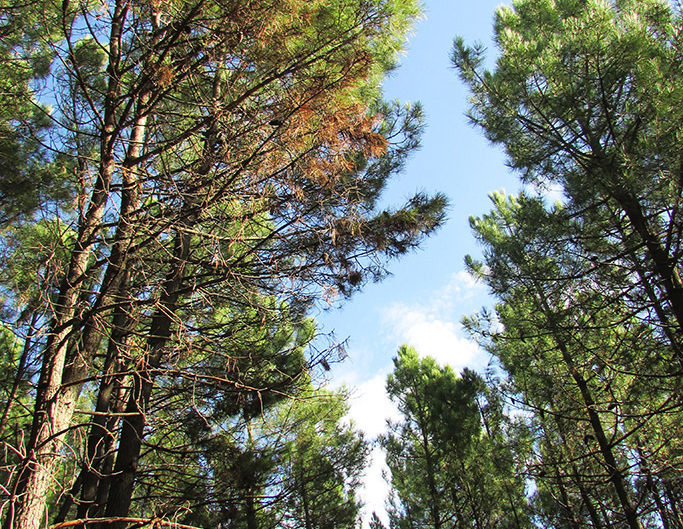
584,97
181,181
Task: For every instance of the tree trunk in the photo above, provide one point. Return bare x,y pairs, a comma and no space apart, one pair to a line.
86,485
652,488
308,523
431,481
615,474
132,432
122,480
664,264
55,401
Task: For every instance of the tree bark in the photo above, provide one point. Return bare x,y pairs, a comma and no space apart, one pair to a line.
120,484
54,401
664,264
615,474
132,432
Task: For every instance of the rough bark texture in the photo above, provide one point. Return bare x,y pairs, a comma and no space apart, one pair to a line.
55,401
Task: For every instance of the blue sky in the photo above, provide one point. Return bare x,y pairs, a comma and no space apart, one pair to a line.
423,301
454,159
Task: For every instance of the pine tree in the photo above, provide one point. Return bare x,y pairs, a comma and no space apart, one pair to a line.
450,458
573,355
584,97
224,155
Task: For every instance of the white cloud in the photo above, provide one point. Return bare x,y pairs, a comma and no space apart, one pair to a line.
370,406
460,288
464,286
434,328
432,336
375,490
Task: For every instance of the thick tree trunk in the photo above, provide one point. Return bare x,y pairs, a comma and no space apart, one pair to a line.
113,292
54,401
102,426
108,449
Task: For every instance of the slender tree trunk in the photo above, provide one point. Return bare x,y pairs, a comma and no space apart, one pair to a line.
566,504
671,331
21,368
585,497
308,523
673,497
250,507
666,266
459,518
472,500
652,488
112,292
55,402
615,474
130,443
431,470
506,485
121,483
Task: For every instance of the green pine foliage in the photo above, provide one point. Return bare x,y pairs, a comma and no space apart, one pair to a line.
180,182
585,99
450,457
